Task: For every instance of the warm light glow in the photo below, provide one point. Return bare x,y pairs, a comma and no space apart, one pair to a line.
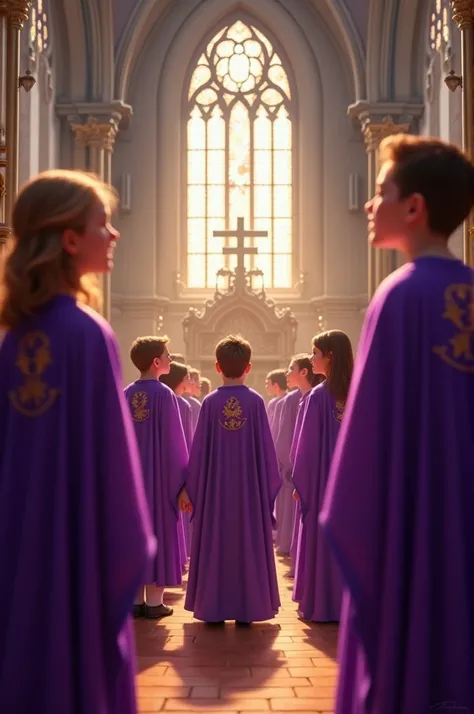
39,32
440,35
240,162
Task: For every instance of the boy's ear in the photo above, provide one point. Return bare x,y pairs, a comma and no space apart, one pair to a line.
218,368
248,368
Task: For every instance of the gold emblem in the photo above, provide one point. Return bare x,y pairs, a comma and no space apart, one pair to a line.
339,412
139,402
233,415
459,309
34,396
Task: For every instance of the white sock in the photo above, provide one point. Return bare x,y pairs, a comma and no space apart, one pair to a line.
154,595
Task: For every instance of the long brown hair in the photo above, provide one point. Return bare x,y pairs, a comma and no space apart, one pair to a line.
37,267
336,345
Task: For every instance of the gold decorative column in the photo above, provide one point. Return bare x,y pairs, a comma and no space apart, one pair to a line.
98,138
18,15
380,262
4,230
463,14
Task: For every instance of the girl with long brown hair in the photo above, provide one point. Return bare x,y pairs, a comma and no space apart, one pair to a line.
317,585
303,377
75,532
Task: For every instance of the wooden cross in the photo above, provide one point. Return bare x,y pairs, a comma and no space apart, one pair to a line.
240,250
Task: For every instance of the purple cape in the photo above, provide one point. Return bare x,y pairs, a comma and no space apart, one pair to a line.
399,508
233,482
164,457
275,421
294,445
195,405
185,413
318,588
271,407
75,536
285,506
186,420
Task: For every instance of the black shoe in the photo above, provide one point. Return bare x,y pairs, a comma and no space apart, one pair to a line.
157,612
138,611
242,624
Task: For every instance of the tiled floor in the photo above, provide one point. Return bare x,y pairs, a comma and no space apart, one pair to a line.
283,665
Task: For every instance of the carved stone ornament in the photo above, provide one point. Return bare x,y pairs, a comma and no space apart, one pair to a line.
94,132
463,12
375,133
270,329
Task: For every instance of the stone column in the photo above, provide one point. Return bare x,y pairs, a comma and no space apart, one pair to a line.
79,154
18,15
97,136
4,230
463,14
380,262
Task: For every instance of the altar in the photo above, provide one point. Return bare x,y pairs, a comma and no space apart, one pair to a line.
240,308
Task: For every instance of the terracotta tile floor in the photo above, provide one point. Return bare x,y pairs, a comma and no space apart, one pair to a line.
283,665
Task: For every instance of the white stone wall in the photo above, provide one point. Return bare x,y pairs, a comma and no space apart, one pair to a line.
332,239
39,128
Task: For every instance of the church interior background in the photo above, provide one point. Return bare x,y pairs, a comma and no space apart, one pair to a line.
242,138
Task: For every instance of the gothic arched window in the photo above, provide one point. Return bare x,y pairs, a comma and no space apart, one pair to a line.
440,35
239,156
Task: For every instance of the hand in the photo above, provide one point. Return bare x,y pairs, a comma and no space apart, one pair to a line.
184,503
296,495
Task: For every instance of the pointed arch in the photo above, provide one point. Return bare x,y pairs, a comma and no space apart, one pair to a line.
70,47
396,50
146,17
239,105
153,86
83,31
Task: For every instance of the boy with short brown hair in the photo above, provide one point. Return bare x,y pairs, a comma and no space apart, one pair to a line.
164,457
399,505
232,484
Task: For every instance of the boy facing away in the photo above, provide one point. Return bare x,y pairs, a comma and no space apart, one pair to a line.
232,484
399,505
164,457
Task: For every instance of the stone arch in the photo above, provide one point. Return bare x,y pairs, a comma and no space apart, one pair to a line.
70,45
101,61
146,16
396,50
83,39
326,88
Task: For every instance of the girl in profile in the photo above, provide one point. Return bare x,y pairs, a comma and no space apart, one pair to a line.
74,531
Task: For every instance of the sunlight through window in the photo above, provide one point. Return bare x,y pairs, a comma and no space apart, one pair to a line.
439,26
239,156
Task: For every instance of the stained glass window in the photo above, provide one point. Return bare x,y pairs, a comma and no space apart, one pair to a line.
39,28
440,26
239,157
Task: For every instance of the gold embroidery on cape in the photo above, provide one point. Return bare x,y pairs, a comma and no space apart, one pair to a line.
339,413
34,396
233,415
139,402
459,309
